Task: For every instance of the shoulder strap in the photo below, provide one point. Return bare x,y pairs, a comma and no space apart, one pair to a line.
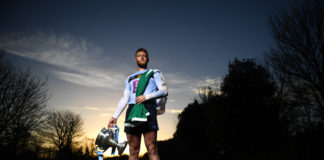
132,78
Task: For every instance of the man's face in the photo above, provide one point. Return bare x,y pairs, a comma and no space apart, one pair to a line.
141,59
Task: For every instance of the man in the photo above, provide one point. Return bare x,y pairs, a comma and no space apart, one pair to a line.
155,88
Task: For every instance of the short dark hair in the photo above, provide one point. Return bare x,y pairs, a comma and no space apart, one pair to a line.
141,50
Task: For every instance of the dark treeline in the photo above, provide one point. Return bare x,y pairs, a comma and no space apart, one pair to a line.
272,109
248,120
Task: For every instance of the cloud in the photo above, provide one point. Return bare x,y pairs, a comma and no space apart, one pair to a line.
181,83
171,100
90,80
105,115
56,49
83,63
91,108
213,83
78,60
174,111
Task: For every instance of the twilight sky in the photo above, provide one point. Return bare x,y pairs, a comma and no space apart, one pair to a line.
86,48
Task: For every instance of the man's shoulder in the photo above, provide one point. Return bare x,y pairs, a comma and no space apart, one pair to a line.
158,76
141,72
133,76
156,71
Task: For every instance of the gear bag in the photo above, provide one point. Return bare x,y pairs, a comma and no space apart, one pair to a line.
160,105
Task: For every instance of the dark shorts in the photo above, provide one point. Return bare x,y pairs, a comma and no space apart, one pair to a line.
150,125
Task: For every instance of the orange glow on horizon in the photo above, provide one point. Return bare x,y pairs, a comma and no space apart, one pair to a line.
94,122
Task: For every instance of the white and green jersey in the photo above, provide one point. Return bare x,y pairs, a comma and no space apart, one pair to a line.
155,88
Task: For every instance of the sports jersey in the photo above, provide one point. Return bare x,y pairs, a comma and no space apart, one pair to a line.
155,88
131,84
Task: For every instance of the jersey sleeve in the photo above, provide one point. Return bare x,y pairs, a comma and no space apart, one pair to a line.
162,89
123,101
159,79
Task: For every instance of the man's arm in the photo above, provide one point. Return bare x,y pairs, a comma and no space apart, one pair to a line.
163,91
121,105
162,88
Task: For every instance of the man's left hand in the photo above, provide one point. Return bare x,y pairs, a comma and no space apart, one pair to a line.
140,99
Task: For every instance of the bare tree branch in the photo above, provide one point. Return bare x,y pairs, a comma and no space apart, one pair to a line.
63,128
23,98
298,55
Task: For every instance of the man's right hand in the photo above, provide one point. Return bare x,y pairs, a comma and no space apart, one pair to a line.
111,122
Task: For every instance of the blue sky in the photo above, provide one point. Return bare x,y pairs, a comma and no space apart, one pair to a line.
86,48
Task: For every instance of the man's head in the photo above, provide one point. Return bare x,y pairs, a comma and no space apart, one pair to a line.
141,58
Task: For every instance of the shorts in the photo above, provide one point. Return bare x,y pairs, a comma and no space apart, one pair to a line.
150,125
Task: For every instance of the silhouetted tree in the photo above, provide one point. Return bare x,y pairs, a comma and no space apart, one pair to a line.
251,109
297,56
246,79
242,121
89,147
23,98
62,129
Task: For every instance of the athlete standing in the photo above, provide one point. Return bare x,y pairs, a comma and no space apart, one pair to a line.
155,88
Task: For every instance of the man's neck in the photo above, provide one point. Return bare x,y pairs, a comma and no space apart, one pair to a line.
141,69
